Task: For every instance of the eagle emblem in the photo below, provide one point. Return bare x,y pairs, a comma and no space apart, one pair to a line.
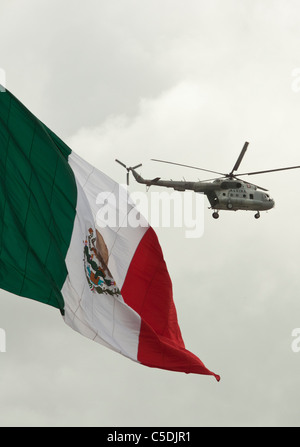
97,273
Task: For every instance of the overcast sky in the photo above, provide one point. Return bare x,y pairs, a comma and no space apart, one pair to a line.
188,82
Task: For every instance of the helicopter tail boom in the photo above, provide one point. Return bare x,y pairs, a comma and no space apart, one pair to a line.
203,187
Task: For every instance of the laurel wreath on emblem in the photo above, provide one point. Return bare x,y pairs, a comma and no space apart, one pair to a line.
97,273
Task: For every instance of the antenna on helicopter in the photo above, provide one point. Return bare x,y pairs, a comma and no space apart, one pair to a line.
128,169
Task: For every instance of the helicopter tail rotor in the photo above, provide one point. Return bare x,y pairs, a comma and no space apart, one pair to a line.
128,169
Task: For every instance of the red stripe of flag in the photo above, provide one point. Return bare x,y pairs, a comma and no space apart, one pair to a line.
148,290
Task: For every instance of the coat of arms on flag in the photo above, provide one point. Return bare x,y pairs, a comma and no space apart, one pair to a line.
95,263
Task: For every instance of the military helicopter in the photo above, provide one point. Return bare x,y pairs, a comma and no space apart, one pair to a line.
227,192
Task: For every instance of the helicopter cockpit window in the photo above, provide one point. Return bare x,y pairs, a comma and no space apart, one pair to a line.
266,197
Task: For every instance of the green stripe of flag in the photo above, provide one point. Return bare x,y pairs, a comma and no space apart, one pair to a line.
37,205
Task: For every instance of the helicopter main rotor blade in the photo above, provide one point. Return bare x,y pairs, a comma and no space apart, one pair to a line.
188,166
270,170
240,158
211,179
259,187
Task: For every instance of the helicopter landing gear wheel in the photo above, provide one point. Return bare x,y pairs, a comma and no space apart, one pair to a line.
257,215
229,205
215,215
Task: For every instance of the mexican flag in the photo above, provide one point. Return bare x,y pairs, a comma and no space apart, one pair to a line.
109,280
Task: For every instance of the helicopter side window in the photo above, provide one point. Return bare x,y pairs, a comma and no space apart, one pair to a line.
251,196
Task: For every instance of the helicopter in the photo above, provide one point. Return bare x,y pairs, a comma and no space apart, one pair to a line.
227,192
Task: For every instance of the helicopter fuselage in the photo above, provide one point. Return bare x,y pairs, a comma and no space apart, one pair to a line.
244,197
223,194
227,192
